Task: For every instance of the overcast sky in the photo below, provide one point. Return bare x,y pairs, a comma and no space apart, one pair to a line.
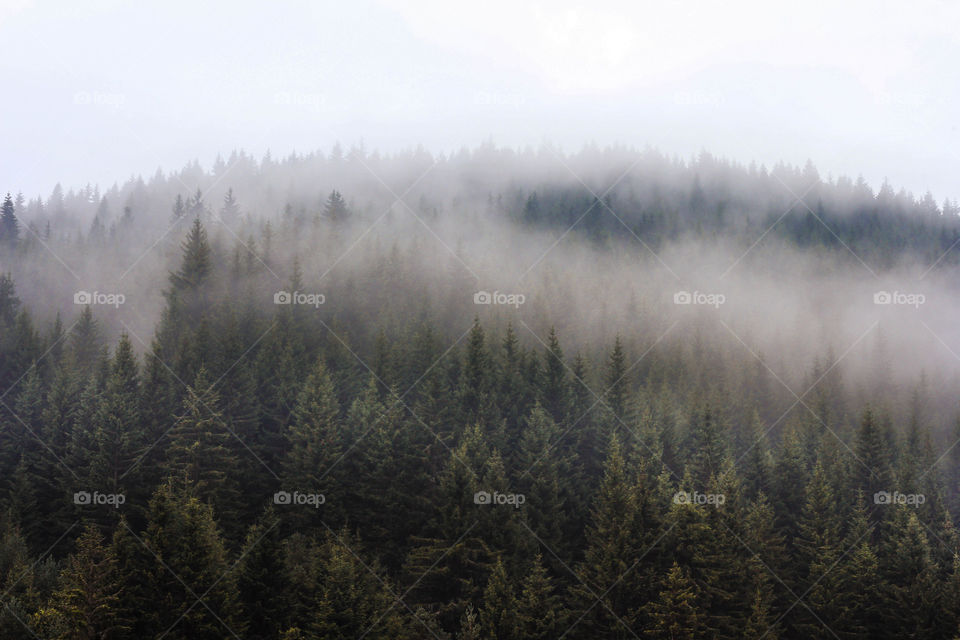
104,89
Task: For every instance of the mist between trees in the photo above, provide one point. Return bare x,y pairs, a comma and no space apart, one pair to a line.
493,394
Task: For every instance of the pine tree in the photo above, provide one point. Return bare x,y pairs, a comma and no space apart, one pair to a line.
335,208
676,615
117,433
544,468
498,617
315,437
86,342
873,456
789,475
475,375
610,556
189,559
9,227
261,582
448,565
556,398
353,600
230,211
615,380
756,463
88,599
540,615
706,444
201,449
196,264
911,605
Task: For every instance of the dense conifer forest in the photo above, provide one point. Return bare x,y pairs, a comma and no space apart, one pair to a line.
495,394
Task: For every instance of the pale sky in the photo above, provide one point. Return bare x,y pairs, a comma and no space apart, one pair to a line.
100,89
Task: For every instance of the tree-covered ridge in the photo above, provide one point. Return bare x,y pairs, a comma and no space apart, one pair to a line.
608,192
260,470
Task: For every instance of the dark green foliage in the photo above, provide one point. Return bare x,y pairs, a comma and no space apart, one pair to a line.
402,429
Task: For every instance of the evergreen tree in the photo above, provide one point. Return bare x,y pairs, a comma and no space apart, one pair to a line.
87,601
556,398
9,226
189,562
498,617
261,582
201,450
335,208
540,613
676,614
611,553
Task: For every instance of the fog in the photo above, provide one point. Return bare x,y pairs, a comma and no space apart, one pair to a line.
674,256
111,89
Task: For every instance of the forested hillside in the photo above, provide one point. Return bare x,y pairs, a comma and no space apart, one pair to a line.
499,395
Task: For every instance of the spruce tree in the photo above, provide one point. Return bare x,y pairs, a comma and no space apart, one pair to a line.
87,601
498,616
9,226
540,613
676,615
202,450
